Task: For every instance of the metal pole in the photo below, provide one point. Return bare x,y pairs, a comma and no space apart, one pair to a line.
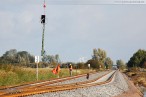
42,53
76,69
88,68
37,73
37,62
43,22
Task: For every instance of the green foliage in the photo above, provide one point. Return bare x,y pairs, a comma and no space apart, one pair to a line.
143,63
23,58
45,74
64,72
12,75
64,65
8,78
138,59
121,64
14,57
99,55
81,65
9,56
93,64
100,59
108,63
50,59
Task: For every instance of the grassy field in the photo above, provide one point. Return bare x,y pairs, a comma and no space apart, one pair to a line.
138,77
14,75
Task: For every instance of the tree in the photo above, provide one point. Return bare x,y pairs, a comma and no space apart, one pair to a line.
13,57
108,63
57,58
95,54
23,57
81,65
120,64
137,59
99,55
143,63
53,60
10,56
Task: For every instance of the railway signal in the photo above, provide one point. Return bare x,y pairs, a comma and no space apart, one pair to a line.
43,20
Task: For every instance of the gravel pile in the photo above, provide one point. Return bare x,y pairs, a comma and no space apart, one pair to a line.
117,86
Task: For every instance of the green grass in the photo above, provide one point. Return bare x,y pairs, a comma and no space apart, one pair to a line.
14,75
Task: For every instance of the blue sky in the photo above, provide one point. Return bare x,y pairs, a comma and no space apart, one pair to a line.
73,31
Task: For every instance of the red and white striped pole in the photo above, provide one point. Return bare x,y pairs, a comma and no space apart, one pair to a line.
44,5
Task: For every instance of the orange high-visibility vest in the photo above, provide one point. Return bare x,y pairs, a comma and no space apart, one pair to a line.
56,70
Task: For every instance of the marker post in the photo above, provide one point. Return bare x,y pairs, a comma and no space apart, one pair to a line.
37,70
89,67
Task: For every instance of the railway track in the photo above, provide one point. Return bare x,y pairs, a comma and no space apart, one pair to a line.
42,83
50,81
44,87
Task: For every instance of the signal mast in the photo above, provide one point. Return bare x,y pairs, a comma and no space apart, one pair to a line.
43,19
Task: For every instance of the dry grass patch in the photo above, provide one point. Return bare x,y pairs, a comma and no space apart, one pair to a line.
138,77
14,75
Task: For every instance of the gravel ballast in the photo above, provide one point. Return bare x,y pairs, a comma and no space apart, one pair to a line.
117,86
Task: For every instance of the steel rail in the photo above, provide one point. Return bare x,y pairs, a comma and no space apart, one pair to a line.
56,86
50,81
59,87
38,84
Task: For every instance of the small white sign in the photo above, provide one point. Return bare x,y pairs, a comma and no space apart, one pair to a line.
37,59
89,65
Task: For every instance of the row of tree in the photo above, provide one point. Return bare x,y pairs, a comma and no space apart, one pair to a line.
13,57
24,58
137,60
99,60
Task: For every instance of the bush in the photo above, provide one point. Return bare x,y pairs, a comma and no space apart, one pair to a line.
93,64
80,65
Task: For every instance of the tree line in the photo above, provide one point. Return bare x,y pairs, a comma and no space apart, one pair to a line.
14,57
99,60
24,58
